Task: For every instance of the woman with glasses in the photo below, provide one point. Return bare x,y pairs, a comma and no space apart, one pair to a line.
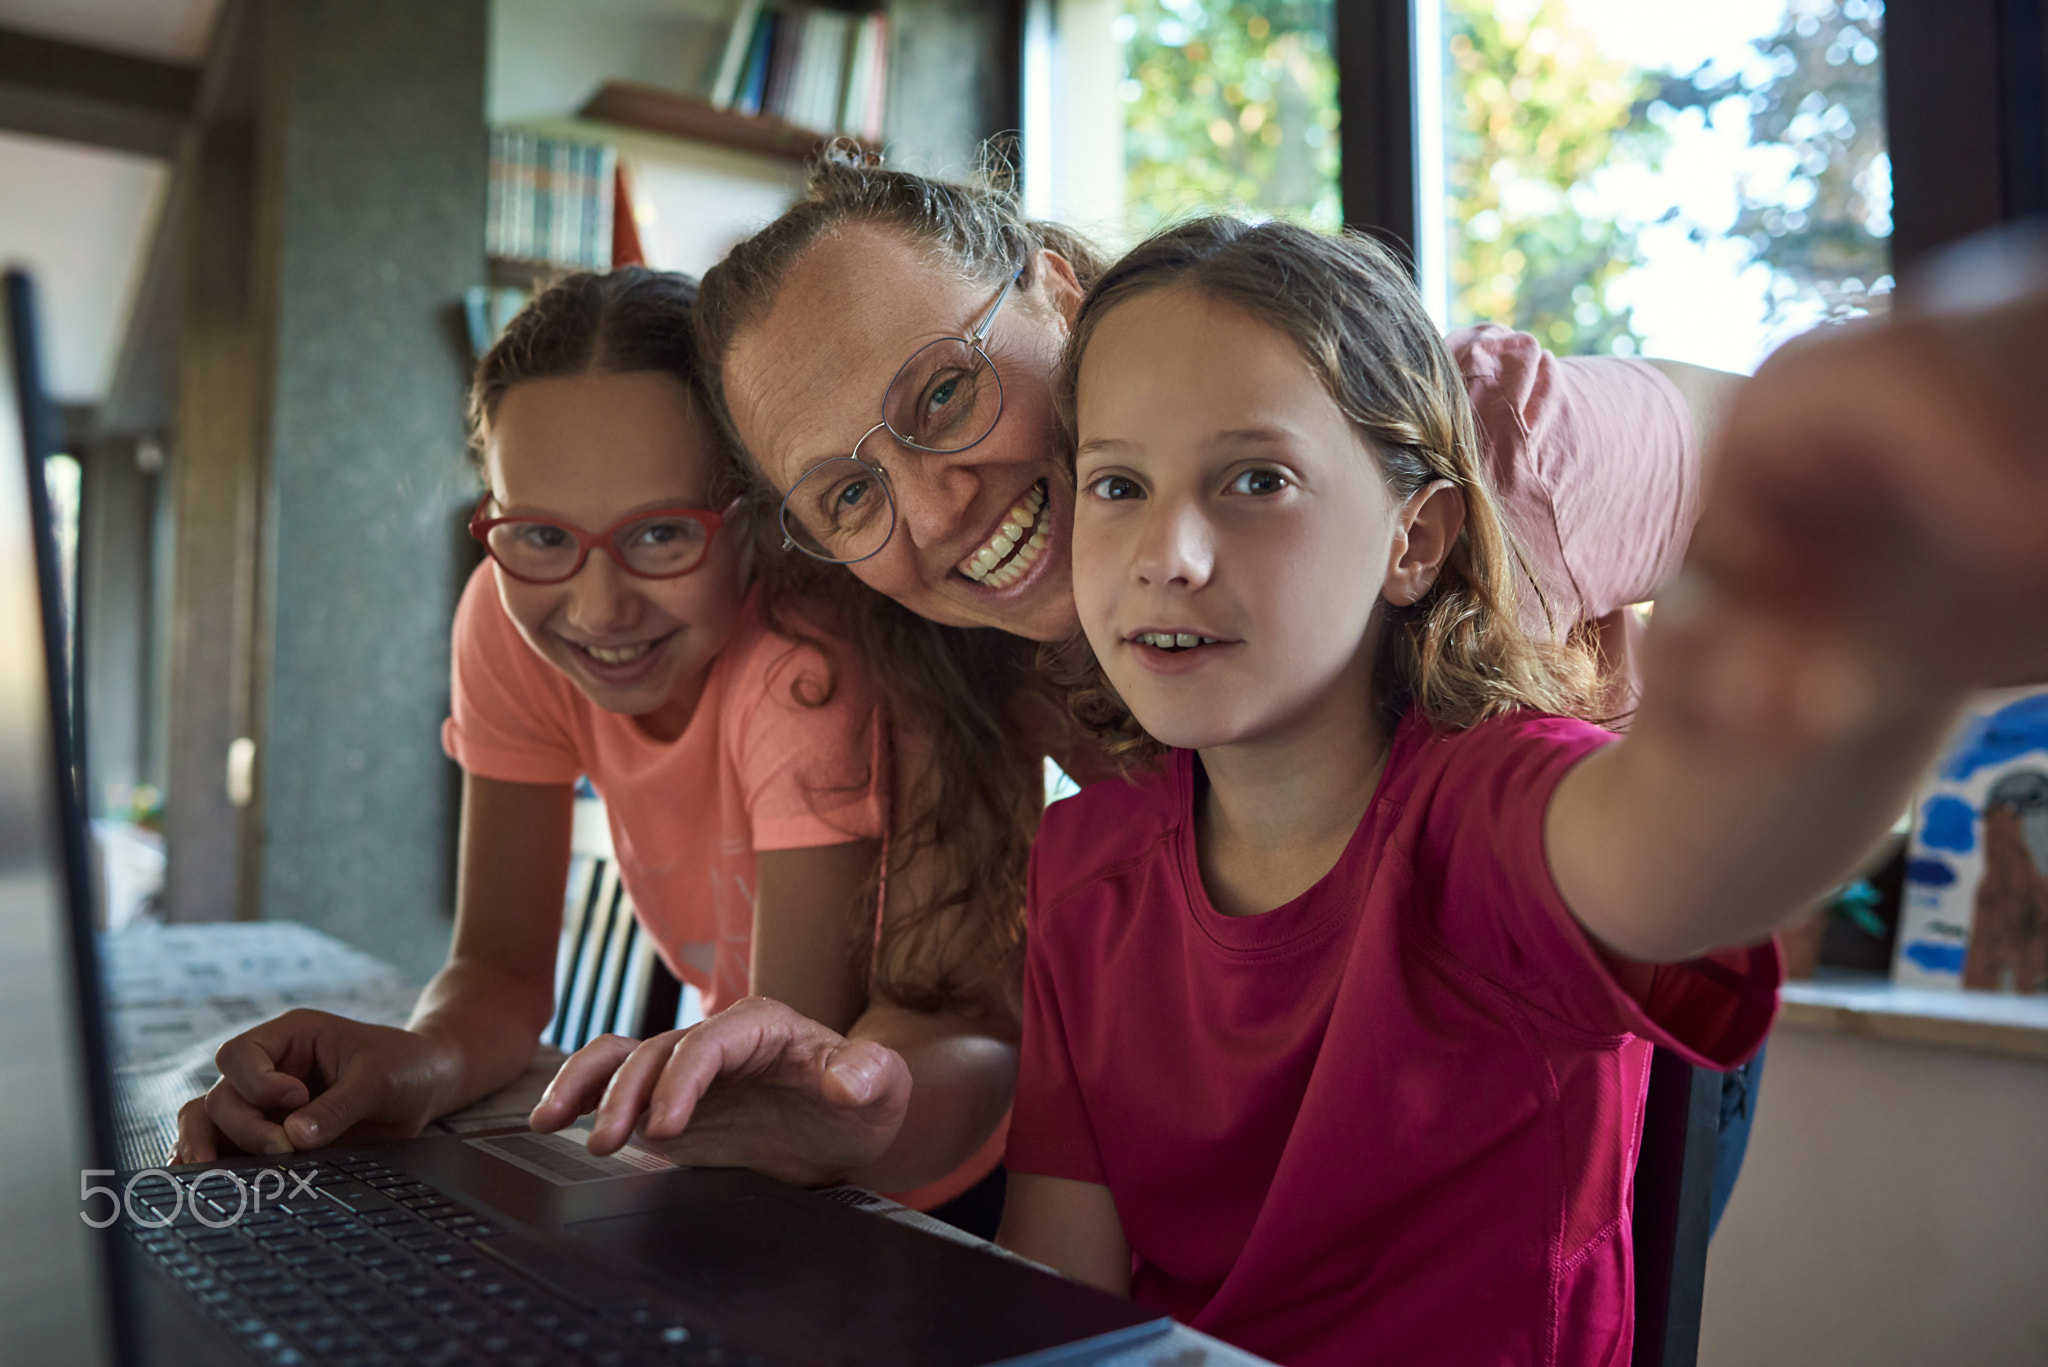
882,356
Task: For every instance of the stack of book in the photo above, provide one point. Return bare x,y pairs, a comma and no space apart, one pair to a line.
550,201
825,70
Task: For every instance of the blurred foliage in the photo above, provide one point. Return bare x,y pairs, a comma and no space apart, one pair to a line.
1534,109
1815,90
1229,103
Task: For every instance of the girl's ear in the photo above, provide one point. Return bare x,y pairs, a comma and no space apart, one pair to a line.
1063,289
1427,527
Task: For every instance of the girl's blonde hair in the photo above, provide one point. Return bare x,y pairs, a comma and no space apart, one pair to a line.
967,804
1459,653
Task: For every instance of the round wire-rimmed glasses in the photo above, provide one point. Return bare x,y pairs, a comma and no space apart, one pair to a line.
664,543
944,399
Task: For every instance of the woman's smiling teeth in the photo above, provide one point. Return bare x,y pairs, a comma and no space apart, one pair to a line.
1172,640
1009,553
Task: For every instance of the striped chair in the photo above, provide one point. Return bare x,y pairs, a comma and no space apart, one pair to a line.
608,978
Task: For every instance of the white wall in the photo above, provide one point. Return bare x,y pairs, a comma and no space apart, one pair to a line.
547,57
78,218
691,202
1893,1212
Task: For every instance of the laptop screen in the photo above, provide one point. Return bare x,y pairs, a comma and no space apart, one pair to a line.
56,1302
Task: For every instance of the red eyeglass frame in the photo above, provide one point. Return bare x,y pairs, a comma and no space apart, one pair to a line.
480,528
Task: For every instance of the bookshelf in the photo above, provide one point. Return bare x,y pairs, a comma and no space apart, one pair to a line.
710,119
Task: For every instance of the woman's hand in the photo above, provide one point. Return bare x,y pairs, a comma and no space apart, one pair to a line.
755,1086
304,1080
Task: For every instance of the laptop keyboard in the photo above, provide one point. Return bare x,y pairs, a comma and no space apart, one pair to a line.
373,1268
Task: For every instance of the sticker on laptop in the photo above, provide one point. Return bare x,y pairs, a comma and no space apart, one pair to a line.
565,1160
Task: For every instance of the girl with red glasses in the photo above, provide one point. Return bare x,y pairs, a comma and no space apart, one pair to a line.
619,630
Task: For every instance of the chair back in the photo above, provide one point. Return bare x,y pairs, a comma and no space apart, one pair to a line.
1674,1188
608,978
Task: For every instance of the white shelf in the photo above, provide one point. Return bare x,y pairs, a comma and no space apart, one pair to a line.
1876,1008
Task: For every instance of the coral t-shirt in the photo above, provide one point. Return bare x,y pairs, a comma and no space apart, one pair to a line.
756,769
1393,1121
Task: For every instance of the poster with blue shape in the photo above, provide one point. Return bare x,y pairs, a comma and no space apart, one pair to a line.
1976,901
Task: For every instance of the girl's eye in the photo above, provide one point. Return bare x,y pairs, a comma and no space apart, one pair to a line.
664,531
1259,482
541,536
1114,488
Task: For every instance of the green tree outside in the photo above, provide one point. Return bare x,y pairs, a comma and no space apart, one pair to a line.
1233,103
1817,93
1230,103
1534,110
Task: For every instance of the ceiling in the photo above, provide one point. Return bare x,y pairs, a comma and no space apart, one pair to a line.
168,30
80,217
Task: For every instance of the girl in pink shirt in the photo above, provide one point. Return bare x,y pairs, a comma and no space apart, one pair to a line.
1338,1017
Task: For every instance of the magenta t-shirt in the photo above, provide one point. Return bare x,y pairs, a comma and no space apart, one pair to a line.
1393,1121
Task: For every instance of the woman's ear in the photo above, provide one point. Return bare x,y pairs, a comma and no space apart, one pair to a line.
1062,287
1428,526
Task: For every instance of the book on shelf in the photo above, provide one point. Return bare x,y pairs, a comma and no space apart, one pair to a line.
732,64
549,201
821,69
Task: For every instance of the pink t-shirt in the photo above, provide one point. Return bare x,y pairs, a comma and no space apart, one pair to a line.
1596,463
1393,1121
755,770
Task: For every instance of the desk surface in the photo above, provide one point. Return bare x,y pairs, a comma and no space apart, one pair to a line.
176,993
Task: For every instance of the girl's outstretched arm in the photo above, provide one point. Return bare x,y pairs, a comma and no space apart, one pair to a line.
1691,835
1872,550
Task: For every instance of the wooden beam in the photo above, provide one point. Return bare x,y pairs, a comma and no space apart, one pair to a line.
54,89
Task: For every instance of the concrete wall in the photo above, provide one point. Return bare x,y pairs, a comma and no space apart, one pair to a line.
375,182
1893,1212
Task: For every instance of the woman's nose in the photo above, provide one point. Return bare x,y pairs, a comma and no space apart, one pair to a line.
934,494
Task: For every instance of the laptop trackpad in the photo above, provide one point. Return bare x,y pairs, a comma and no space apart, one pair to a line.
822,1283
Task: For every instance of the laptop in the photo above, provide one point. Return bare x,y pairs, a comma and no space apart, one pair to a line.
497,1248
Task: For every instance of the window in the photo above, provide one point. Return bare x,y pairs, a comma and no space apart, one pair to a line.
1698,182
1154,110
65,479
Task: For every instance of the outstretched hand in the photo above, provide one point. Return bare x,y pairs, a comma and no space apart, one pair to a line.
1873,533
755,1086
302,1081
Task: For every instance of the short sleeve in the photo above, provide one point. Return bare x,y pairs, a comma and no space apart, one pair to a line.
1482,866
806,745
1049,1130
1596,462
508,710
